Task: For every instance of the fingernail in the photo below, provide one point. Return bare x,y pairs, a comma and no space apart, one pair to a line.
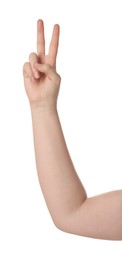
36,65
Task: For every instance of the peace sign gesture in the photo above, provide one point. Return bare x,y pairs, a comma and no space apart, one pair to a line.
41,80
51,57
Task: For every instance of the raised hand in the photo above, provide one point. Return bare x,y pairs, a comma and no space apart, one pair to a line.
41,80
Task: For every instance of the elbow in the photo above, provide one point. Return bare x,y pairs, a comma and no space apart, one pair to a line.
64,228
60,225
70,223
66,224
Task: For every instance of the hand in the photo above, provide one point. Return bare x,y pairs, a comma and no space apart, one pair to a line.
41,80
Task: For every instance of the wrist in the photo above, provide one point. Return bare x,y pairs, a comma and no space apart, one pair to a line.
43,108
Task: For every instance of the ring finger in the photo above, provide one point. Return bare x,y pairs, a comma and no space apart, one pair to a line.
33,58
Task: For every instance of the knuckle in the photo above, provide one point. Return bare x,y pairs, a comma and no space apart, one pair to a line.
48,67
58,78
25,69
32,55
25,66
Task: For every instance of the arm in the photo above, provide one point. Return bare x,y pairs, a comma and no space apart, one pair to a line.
60,184
71,210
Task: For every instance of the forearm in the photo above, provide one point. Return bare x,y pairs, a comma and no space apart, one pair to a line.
60,184
65,196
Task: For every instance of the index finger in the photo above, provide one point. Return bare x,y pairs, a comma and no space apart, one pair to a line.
40,38
53,49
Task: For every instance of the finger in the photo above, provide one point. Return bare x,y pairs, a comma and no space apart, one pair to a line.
48,71
53,48
40,38
27,71
33,58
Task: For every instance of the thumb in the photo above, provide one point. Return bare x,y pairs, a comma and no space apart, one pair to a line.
48,70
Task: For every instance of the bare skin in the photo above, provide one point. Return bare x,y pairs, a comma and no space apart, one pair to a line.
69,206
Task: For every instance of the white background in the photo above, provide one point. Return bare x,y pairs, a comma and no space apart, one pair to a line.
90,109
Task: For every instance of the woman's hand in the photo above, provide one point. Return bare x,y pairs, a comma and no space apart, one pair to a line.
41,80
